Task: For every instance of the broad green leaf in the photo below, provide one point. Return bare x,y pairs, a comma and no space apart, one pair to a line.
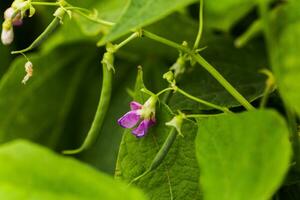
223,14
285,53
141,13
176,177
239,66
43,104
34,172
242,156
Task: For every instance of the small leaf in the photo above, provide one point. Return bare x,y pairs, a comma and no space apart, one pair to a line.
242,156
34,172
141,13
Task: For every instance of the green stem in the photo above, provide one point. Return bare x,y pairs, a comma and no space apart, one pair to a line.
242,100
263,11
166,41
78,8
45,3
96,20
100,114
226,110
163,91
198,38
223,81
202,115
265,97
127,40
254,29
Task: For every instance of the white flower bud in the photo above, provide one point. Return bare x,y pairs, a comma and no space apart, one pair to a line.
8,15
7,34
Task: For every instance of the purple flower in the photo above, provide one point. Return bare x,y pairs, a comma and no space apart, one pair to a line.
142,116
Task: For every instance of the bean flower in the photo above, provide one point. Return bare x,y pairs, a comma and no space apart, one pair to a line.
142,117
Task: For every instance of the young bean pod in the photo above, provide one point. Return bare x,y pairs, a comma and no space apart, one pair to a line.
159,157
45,34
101,111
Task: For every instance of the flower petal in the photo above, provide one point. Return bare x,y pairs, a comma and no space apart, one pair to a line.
129,120
143,127
135,105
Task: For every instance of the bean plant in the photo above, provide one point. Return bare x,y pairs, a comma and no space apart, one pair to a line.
150,99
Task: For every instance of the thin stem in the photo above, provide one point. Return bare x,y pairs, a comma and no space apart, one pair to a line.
226,110
45,3
127,40
164,90
263,11
203,115
243,101
265,97
79,8
197,42
166,41
96,20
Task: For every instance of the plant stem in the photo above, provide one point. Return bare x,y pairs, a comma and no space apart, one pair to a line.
242,100
226,110
164,90
202,115
265,97
96,20
166,41
127,40
197,42
222,81
45,3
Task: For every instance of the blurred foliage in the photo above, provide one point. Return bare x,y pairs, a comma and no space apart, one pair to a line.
57,105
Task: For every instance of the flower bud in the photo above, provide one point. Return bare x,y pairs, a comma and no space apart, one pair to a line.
169,76
176,122
108,57
60,13
179,66
7,34
8,15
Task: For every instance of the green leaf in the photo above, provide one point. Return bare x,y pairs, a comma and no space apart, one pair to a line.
141,13
43,104
34,172
223,14
177,176
285,53
239,66
242,156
